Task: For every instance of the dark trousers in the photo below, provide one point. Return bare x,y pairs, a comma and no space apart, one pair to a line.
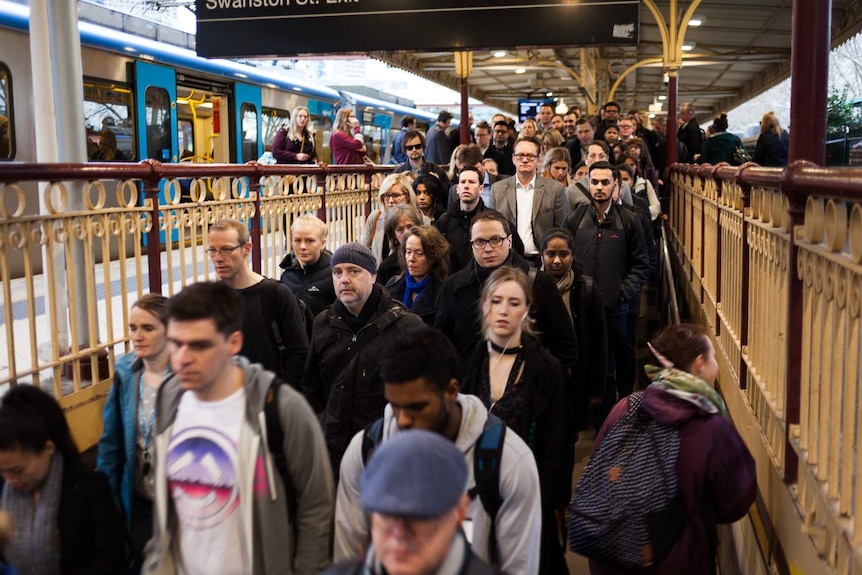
142,531
620,366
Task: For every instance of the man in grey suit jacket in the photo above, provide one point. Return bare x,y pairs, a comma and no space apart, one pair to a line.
534,203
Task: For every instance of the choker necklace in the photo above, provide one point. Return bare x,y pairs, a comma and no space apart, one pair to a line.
504,350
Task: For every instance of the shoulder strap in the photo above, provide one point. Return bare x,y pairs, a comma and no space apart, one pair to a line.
487,455
371,439
585,191
577,216
391,315
532,274
275,443
269,306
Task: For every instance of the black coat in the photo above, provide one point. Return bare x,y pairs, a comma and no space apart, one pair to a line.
312,284
770,150
455,227
342,375
613,252
691,135
458,313
92,534
543,382
426,305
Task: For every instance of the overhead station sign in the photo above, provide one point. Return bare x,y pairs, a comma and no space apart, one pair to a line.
237,28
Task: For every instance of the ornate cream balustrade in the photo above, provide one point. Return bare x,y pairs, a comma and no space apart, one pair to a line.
78,246
773,263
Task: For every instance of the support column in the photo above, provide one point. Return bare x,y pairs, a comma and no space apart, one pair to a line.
809,70
465,112
670,141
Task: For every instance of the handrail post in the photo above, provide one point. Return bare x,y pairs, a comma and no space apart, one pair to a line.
254,188
154,256
746,276
368,179
321,178
795,312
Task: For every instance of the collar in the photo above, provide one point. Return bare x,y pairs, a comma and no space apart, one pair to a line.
530,185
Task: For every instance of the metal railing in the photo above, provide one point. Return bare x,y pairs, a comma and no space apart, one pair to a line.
79,250
773,266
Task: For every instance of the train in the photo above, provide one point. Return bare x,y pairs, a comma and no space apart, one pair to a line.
166,103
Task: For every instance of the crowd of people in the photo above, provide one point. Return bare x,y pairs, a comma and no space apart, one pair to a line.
407,403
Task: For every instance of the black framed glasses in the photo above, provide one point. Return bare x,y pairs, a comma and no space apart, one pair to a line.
223,251
527,157
482,243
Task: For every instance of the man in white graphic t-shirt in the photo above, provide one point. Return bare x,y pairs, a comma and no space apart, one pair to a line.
222,505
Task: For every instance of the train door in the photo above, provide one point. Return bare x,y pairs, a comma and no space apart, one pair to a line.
247,110
156,106
156,110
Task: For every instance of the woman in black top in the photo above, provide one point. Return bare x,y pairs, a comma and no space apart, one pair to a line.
295,145
522,384
771,147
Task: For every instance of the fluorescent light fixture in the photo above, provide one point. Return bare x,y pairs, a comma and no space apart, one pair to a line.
499,53
696,21
520,70
662,97
297,89
130,49
205,105
549,94
688,47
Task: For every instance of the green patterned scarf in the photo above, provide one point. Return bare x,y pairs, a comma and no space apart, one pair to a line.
684,385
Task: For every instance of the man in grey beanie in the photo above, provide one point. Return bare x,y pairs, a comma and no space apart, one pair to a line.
342,381
415,490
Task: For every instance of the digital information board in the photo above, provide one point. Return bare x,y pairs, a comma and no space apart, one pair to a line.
238,28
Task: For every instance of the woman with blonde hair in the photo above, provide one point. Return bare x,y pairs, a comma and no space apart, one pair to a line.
522,384
306,269
550,140
295,145
395,189
557,165
771,147
529,128
346,147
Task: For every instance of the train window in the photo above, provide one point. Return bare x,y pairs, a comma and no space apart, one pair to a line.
7,123
157,112
273,119
108,121
186,138
249,131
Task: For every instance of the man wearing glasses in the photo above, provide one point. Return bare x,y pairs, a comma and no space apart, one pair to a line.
273,328
501,145
413,144
534,203
457,317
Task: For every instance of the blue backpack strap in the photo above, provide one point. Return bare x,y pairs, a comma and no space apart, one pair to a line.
487,455
371,438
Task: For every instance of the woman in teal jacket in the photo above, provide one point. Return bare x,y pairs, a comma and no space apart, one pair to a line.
126,442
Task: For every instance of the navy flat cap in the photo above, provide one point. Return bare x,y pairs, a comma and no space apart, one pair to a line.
415,474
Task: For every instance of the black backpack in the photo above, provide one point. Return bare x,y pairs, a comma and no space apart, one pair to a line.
628,509
269,306
486,469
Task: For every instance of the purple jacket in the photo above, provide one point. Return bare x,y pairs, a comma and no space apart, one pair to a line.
716,477
284,150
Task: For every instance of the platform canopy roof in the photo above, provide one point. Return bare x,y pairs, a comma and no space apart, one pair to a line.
740,49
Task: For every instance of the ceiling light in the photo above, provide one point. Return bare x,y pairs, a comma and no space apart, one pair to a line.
549,94
696,21
499,53
688,47
662,97
520,70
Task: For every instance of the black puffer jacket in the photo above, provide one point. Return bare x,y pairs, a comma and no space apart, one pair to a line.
312,284
342,376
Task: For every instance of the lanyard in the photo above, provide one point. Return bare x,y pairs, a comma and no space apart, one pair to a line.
146,431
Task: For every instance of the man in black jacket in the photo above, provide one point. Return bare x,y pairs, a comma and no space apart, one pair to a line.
611,247
458,311
454,224
342,376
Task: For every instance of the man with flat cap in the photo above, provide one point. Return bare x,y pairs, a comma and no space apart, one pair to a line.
342,380
415,490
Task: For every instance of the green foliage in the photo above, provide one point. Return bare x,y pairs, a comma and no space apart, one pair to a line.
840,111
